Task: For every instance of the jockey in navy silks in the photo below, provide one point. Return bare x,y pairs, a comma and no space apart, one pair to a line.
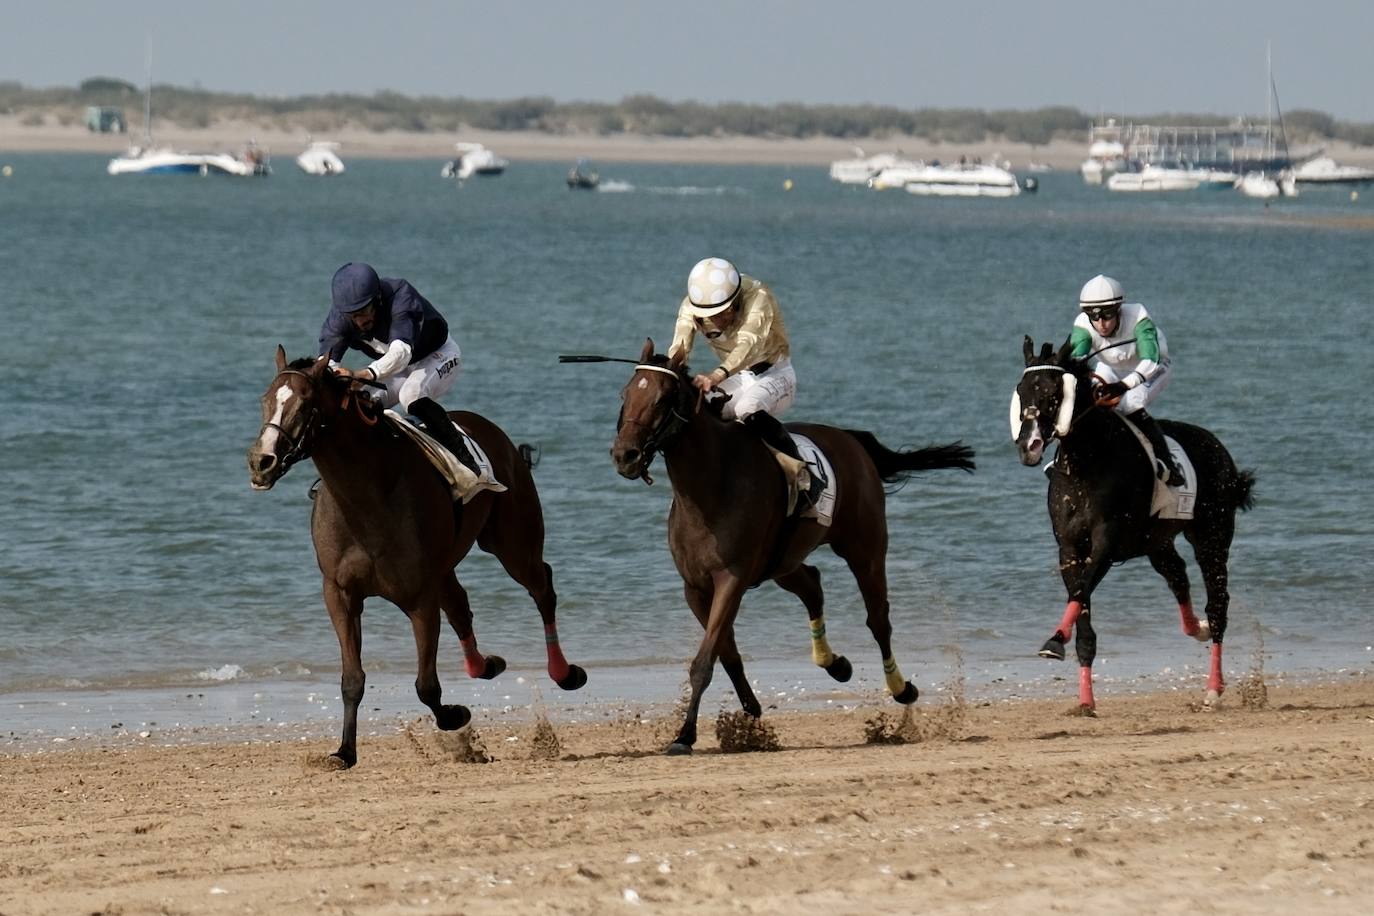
408,340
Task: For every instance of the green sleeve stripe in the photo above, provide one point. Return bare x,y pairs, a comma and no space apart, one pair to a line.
1146,340
1082,342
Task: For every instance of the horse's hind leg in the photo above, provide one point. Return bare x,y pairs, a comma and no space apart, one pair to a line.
700,603
871,574
1213,553
521,554
453,598
346,613
424,621
1170,565
805,583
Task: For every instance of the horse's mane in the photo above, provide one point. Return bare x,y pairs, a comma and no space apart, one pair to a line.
305,362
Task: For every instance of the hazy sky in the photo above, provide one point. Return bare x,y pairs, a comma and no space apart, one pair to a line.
1135,57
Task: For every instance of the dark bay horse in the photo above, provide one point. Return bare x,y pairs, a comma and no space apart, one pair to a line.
728,528
384,524
1100,493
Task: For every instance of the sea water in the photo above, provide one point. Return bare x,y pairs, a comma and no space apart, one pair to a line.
143,584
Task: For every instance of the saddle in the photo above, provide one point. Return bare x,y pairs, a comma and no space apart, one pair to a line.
463,483
1167,501
814,463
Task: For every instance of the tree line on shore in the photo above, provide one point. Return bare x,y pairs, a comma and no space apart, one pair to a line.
635,114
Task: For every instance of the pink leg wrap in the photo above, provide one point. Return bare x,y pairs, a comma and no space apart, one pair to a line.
1085,687
558,665
1070,618
1185,613
474,660
1214,680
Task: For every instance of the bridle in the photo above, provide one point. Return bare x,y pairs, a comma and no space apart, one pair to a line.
298,448
668,427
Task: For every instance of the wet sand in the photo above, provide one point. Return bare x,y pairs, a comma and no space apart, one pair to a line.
1263,806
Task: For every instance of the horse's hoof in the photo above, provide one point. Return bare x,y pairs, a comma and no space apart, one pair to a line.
1204,631
452,718
840,669
678,749
1053,648
495,665
1082,711
335,763
1212,700
574,679
908,695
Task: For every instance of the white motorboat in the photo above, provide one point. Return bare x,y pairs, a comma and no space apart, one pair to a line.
1105,159
1155,178
473,159
1266,186
321,157
964,181
861,168
896,174
1325,170
163,161
143,160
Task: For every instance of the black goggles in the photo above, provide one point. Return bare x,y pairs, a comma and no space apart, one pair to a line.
1102,312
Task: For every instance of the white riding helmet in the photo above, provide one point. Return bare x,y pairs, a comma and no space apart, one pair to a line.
1099,292
711,286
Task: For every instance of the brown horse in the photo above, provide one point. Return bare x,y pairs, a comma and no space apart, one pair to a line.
384,523
729,530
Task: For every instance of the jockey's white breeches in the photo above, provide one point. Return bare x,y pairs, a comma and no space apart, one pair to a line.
431,377
771,391
1141,395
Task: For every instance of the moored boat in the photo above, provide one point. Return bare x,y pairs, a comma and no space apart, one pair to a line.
321,157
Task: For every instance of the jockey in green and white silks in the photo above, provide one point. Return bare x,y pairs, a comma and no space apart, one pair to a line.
1131,356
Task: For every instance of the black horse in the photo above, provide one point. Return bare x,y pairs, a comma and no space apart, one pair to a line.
1100,493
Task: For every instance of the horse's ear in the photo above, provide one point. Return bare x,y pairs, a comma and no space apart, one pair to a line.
1028,350
1046,352
320,363
281,357
648,350
677,361
1062,357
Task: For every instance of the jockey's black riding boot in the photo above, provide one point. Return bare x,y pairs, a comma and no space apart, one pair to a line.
1147,425
770,430
441,428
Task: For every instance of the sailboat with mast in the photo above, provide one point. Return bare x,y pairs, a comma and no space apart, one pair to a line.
1273,175
148,159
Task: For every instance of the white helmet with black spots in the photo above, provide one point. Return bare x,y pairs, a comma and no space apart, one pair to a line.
1101,292
711,287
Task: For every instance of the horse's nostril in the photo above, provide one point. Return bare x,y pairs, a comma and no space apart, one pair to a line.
630,455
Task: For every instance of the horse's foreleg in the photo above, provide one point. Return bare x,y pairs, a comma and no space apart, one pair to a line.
700,603
1170,565
725,599
871,575
346,613
453,598
805,583
1081,569
424,621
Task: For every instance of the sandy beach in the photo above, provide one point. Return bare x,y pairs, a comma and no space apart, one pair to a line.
532,146
1264,806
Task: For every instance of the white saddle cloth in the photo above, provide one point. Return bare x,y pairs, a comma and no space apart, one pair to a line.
1170,502
463,483
817,465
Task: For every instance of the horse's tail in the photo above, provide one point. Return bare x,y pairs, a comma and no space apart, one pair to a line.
1243,490
529,454
896,467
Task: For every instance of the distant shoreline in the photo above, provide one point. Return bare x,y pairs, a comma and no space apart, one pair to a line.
536,146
